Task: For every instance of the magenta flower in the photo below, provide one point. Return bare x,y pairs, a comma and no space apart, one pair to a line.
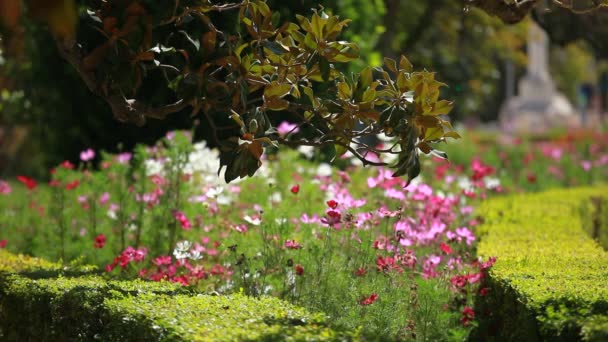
5,188
182,219
124,158
103,199
292,244
586,165
87,155
162,260
285,128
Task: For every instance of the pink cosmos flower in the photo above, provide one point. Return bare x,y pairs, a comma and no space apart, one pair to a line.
292,244
87,155
5,188
163,260
124,158
487,264
586,165
430,265
241,228
104,198
285,128
3,243
182,219
474,278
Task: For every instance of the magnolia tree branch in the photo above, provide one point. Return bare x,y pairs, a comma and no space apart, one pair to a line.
513,11
510,11
303,142
126,110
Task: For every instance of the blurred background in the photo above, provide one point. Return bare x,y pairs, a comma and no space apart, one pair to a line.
47,115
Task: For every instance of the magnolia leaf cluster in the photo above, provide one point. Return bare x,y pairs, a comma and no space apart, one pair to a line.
242,70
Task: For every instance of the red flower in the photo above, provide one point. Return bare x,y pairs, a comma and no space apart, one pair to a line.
483,291
333,217
480,170
387,264
67,165
467,316
360,272
100,241
73,185
369,300
299,269
30,183
531,177
3,243
332,204
459,281
295,189
446,248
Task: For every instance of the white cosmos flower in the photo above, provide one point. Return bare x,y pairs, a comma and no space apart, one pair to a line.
276,197
307,151
492,183
324,169
182,250
464,183
195,255
256,221
112,214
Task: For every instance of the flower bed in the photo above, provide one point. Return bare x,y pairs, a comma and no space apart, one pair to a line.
549,282
357,245
395,261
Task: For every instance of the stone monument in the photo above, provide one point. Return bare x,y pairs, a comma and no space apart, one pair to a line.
538,105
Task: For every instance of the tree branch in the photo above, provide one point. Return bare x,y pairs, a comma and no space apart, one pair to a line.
296,143
126,110
510,12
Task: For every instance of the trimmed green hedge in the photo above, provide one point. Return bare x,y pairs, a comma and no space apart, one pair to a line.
550,281
40,300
